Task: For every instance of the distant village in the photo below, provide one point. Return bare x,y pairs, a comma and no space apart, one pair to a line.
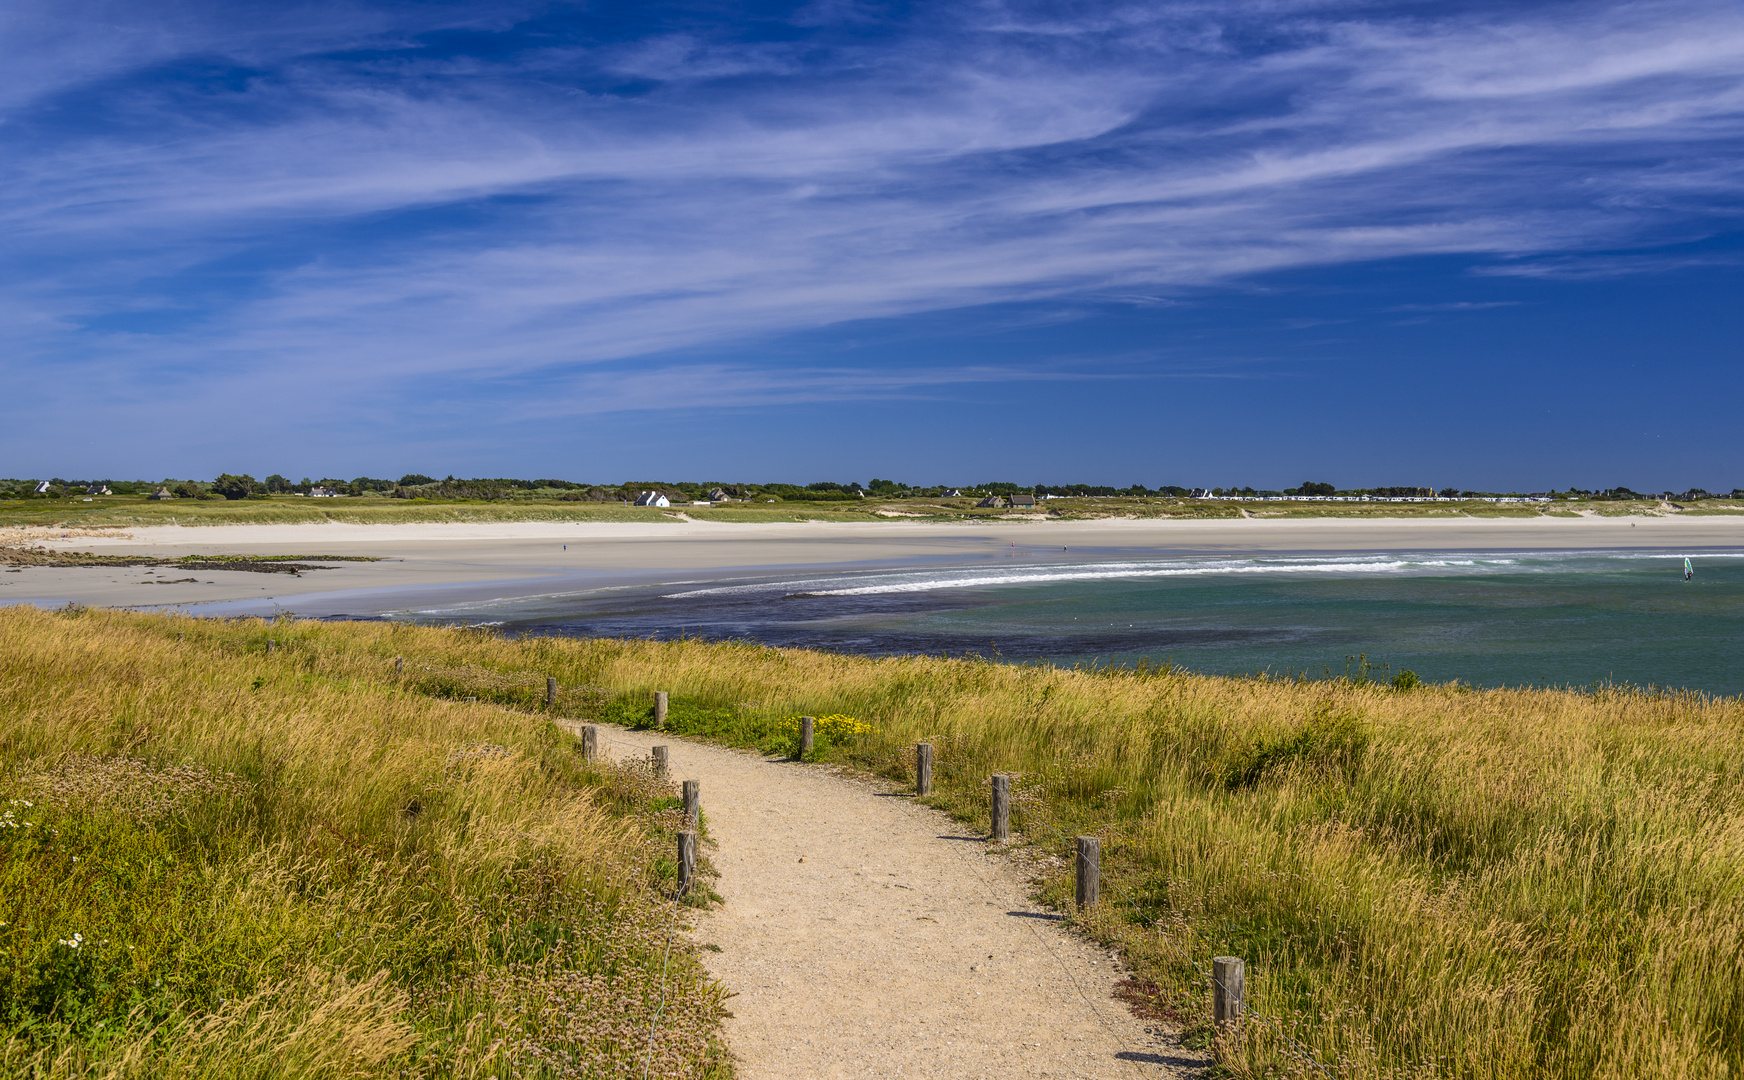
992,495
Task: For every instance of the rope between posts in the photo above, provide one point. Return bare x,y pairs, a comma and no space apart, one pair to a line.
1295,1046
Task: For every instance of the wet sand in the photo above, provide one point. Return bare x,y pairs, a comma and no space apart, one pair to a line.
430,564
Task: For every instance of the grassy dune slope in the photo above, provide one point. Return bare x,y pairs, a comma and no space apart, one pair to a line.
216,862
1425,882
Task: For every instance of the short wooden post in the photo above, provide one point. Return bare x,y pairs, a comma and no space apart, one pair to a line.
660,709
550,691
1001,807
805,731
590,743
270,644
660,762
1228,988
686,861
399,666
692,803
1089,872
923,768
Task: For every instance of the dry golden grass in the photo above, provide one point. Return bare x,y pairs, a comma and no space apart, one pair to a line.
1425,882
218,862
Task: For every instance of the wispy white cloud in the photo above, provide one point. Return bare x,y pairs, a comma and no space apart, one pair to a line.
341,199
1458,305
1605,265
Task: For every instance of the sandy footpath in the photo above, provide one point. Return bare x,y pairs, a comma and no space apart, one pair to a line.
867,936
444,563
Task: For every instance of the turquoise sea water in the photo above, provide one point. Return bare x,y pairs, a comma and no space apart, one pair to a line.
1488,618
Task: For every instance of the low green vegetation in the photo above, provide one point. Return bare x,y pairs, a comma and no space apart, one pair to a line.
127,511
259,564
415,498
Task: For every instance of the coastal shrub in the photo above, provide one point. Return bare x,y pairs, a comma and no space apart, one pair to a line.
741,724
831,732
236,487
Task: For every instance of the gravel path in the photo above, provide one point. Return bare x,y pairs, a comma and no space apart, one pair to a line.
866,935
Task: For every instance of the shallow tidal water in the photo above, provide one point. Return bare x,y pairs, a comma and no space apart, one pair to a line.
1573,618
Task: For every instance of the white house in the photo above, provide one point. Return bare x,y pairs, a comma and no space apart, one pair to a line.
42,488
652,498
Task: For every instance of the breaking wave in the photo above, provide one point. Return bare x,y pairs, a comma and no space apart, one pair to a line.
929,580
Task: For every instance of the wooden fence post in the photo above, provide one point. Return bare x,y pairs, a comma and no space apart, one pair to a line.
590,743
805,732
270,643
660,762
692,803
550,691
399,666
660,709
686,861
923,769
1089,872
1228,988
1001,807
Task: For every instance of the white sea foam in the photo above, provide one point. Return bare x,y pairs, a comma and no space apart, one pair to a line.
886,582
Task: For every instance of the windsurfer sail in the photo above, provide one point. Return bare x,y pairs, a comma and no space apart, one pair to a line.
1688,570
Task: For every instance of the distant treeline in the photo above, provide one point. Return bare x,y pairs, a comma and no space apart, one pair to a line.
418,486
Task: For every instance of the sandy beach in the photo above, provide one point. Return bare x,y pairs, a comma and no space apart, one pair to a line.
438,563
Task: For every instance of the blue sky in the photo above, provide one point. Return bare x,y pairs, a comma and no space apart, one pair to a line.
1475,244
